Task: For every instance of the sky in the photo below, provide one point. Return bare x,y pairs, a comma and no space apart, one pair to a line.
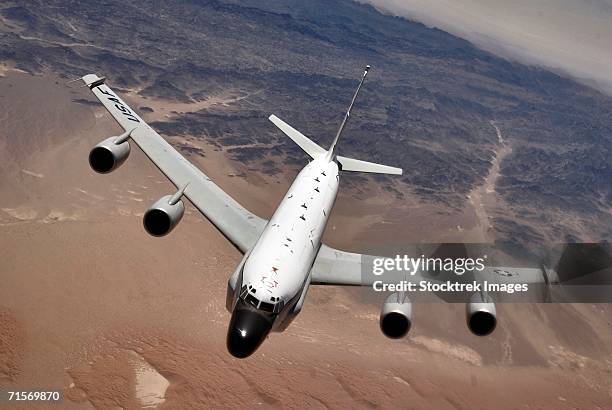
571,37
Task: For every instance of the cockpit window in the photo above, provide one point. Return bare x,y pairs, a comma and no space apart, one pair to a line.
247,294
266,307
278,306
252,299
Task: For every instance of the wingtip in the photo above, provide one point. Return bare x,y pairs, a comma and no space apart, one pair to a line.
92,80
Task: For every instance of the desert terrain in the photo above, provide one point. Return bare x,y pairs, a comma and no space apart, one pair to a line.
92,306
492,150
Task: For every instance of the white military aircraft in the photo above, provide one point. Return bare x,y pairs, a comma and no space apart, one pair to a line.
282,256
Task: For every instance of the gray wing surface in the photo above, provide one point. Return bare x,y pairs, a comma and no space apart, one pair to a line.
238,225
336,267
582,273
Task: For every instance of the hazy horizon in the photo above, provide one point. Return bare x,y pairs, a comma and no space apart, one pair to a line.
568,36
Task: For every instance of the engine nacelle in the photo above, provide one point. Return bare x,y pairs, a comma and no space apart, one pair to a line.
480,314
163,215
396,316
108,155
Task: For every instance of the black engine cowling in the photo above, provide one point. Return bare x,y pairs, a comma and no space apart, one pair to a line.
396,316
108,156
163,216
480,314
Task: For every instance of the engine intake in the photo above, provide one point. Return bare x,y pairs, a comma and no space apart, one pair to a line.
396,316
480,314
108,155
163,215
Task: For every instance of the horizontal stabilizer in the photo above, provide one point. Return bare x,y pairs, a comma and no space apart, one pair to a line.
309,146
350,164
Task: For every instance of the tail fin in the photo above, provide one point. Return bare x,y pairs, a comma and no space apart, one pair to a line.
309,146
350,164
315,151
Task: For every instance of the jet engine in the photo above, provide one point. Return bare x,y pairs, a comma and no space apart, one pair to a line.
109,154
164,215
480,314
396,316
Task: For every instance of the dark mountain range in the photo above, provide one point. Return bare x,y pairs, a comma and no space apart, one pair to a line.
428,106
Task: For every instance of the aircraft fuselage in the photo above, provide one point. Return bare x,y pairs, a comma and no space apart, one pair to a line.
275,274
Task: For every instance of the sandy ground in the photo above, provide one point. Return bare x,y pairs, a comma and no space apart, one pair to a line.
113,318
484,197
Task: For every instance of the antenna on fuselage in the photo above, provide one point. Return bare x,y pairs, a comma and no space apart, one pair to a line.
332,150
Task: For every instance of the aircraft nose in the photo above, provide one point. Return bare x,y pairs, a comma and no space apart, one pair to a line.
247,330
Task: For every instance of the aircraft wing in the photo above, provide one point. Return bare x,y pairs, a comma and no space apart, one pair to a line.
337,267
584,264
238,225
